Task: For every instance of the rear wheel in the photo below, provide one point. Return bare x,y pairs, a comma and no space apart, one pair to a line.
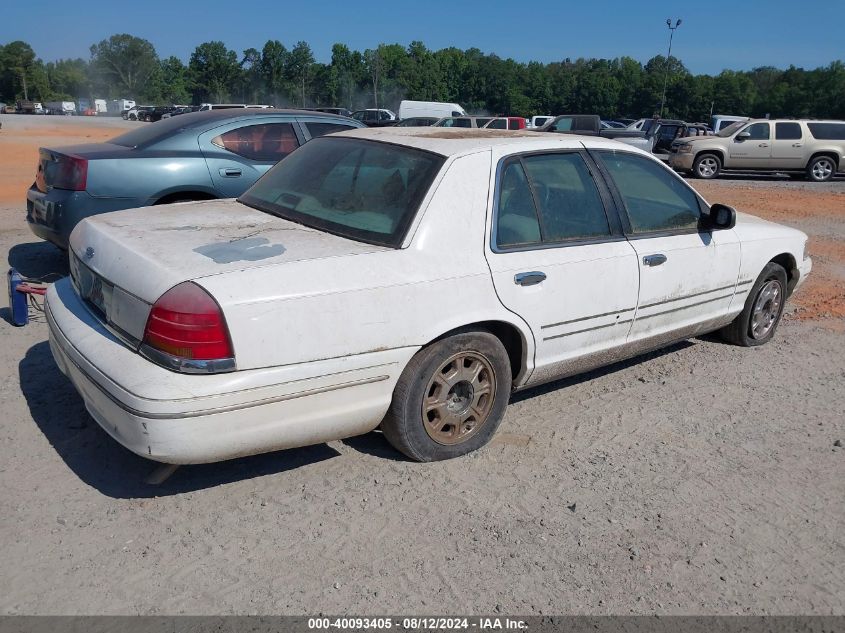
821,169
707,166
450,398
759,319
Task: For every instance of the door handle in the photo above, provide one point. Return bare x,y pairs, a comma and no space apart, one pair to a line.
230,172
796,145
763,145
529,279
654,260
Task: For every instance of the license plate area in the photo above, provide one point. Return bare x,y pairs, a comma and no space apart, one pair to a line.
91,287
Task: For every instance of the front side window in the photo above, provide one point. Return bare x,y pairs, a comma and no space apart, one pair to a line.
563,124
655,198
363,190
498,124
758,131
265,142
787,131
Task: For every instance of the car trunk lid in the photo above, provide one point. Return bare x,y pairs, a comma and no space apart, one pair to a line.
148,251
67,167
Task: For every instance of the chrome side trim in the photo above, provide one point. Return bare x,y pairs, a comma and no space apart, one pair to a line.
694,294
187,365
594,316
689,305
589,329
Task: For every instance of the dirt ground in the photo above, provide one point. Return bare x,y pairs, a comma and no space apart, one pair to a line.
700,479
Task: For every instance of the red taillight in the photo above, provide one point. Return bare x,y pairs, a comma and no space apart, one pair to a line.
71,172
187,323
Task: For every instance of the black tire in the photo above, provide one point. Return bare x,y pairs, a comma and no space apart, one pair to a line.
707,166
412,429
821,169
744,330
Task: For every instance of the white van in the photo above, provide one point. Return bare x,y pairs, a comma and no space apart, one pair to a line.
410,109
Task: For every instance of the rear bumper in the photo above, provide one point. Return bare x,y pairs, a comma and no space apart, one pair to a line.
52,215
188,418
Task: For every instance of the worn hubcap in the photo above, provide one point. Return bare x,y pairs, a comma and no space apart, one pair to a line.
766,309
707,167
822,170
459,398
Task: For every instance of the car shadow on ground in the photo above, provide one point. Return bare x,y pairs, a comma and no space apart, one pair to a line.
102,463
39,261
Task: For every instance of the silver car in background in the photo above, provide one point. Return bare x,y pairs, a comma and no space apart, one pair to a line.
196,156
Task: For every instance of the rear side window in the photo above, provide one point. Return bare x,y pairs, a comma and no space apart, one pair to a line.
549,199
568,200
787,131
321,129
655,199
513,124
827,131
266,142
498,124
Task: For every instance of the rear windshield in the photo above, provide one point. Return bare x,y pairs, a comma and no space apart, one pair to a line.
827,131
149,134
363,190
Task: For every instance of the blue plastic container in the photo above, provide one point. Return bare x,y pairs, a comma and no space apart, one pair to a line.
17,300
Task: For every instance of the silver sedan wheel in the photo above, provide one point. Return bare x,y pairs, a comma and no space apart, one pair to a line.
766,309
823,169
708,167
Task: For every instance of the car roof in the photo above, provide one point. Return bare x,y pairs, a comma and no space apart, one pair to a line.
457,141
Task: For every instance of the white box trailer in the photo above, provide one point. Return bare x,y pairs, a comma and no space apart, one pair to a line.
100,106
116,107
411,109
68,108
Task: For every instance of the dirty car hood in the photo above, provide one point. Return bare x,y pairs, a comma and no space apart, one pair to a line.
149,250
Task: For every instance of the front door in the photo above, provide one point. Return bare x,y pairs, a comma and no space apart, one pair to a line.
559,260
687,275
753,151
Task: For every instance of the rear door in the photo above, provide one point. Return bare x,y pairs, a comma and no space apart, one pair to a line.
239,153
788,149
559,259
687,275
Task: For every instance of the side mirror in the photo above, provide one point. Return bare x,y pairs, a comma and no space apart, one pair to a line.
722,216
745,134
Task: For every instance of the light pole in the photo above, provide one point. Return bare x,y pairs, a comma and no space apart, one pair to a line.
668,57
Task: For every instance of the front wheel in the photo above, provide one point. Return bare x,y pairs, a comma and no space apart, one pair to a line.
450,398
707,166
759,319
821,169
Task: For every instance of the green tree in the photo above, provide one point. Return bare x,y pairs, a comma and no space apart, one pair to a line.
300,68
123,64
213,71
274,59
18,63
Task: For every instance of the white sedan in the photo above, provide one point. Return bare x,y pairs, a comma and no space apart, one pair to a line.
405,278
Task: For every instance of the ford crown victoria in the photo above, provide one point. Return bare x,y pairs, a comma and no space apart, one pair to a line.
401,278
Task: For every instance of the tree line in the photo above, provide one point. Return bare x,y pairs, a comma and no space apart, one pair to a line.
125,66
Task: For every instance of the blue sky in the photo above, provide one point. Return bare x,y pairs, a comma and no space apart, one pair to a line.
716,34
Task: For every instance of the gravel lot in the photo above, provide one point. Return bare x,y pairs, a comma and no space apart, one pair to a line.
700,479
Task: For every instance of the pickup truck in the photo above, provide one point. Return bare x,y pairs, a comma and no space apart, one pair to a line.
590,125
801,148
